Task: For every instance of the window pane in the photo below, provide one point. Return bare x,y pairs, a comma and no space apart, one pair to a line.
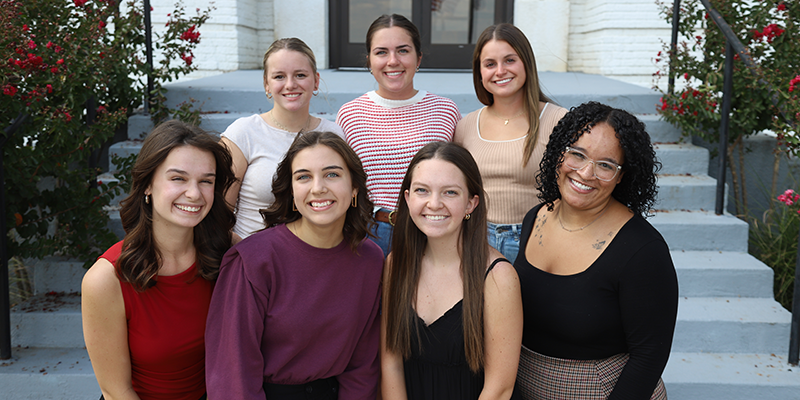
363,12
451,20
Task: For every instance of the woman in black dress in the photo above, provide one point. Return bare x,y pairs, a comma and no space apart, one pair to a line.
452,314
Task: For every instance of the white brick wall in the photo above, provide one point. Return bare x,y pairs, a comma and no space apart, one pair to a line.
616,38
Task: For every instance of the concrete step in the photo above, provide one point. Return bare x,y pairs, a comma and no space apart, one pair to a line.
660,131
722,274
682,158
701,230
56,274
731,325
243,91
724,376
48,320
686,192
48,374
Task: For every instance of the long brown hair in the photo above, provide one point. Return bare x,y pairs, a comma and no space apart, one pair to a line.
140,258
409,244
358,220
533,93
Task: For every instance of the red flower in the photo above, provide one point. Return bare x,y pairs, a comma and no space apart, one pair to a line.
31,45
79,3
69,117
49,88
782,7
191,35
9,90
54,70
686,76
57,49
102,25
60,61
49,45
25,27
187,58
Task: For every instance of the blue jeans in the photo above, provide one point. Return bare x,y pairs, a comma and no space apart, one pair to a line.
383,231
505,238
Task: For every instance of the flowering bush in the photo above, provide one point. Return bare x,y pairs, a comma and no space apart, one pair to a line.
76,70
773,240
769,30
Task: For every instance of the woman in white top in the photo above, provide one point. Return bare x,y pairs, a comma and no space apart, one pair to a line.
259,142
507,137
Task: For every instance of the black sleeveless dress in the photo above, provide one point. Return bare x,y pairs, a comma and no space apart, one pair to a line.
440,370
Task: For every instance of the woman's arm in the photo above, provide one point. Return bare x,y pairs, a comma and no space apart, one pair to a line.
105,331
502,319
393,383
648,300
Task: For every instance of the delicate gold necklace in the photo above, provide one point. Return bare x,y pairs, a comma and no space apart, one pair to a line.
583,227
282,126
505,119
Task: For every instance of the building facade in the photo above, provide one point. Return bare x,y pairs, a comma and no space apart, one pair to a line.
619,39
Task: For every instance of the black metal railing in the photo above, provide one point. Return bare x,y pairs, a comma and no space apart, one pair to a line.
5,294
734,47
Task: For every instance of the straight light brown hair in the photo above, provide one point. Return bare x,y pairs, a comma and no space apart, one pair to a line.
408,244
533,93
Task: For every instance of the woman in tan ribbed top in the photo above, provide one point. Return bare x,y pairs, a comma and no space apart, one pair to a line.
507,137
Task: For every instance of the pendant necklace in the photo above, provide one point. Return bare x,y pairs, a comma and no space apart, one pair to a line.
282,126
583,227
506,119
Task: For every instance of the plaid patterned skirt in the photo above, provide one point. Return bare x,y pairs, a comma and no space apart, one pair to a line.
547,378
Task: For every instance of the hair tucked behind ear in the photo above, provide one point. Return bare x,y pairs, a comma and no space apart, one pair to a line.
409,244
358,221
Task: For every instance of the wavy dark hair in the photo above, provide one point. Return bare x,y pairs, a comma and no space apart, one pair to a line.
140,259
409,244
388,21
358,220
532,91
637,189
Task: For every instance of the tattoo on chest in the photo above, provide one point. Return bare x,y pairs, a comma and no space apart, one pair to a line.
598,245
537,230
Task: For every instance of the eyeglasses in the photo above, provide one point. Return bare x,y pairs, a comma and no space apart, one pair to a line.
603,170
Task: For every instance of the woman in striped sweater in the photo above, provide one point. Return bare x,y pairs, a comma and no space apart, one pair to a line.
386,127
507,137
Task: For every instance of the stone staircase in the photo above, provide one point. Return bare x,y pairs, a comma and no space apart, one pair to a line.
731,339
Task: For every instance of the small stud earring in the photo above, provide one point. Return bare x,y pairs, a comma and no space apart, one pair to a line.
467,217
146,199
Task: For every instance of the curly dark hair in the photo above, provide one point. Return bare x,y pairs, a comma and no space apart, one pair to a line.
637,189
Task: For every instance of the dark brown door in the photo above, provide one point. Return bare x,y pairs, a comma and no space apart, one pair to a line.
449,28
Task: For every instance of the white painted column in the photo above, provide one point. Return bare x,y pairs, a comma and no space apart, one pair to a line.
546,24
307,20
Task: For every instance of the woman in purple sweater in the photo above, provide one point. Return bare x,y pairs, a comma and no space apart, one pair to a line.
296,307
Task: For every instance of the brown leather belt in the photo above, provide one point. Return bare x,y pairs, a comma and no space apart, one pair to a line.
387,217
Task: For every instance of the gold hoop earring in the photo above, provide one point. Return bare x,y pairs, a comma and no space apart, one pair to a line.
354,203
467,217
146,199
417,68
269,95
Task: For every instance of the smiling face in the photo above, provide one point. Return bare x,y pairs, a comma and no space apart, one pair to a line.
291,79
438,198
393,61
182,188
580,189
502,70
322,187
